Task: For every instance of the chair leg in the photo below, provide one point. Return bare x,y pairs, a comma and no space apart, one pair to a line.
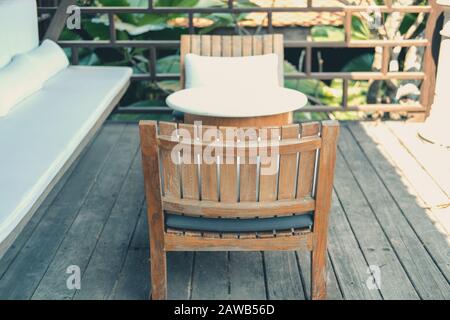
158,274
319,273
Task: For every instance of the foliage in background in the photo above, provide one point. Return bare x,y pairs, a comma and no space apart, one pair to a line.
157,26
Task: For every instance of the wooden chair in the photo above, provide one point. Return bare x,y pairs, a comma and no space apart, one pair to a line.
230,206
232,46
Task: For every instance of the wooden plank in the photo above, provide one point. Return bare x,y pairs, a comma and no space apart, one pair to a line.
247,45
185,48
248,169
227,49
304,262
283,147
189,170
38,252
283,276
431,235
208,171
170,170
375,246
246,276
133,282
82,236
237,46
179,273
307,161
244,209
210,279
230,242
408,247
347,258
257,45
196,44
206,45
278,47
148,132
288,166
268,178
109,255
325,176
228,170
267,44
216,46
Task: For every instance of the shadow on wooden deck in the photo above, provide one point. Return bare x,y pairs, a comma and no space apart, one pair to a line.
388,213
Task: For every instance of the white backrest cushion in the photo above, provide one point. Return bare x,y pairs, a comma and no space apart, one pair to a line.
18,28
27,73
18,80
49,59
258,71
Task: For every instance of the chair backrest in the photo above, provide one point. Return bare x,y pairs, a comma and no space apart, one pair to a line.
18,28
239,172
232,46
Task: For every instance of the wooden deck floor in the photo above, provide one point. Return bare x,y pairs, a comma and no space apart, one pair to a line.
390,210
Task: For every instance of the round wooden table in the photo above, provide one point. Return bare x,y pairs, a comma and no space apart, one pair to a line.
239,107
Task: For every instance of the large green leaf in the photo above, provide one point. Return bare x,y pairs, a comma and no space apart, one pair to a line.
361,63
327,33
169,64
360,29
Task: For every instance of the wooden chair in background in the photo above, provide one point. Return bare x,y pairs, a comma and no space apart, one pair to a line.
233,46
231,206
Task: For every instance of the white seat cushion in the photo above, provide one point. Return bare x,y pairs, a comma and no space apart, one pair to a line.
18,28
42,132
255,71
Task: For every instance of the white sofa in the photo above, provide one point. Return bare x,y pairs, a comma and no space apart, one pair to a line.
43,134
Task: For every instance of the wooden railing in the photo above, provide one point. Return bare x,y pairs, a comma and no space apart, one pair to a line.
419,109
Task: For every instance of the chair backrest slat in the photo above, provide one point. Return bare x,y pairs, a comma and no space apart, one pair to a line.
232,46
228,171
170,170
237,46
208,171
189,170
288,166
227,49
307,162
206,46
268,177
248,171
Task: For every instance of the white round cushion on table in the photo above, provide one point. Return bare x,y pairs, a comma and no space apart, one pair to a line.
236,102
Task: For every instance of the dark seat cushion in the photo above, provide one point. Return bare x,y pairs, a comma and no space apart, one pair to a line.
238,225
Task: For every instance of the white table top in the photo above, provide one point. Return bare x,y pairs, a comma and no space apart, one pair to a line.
236,102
